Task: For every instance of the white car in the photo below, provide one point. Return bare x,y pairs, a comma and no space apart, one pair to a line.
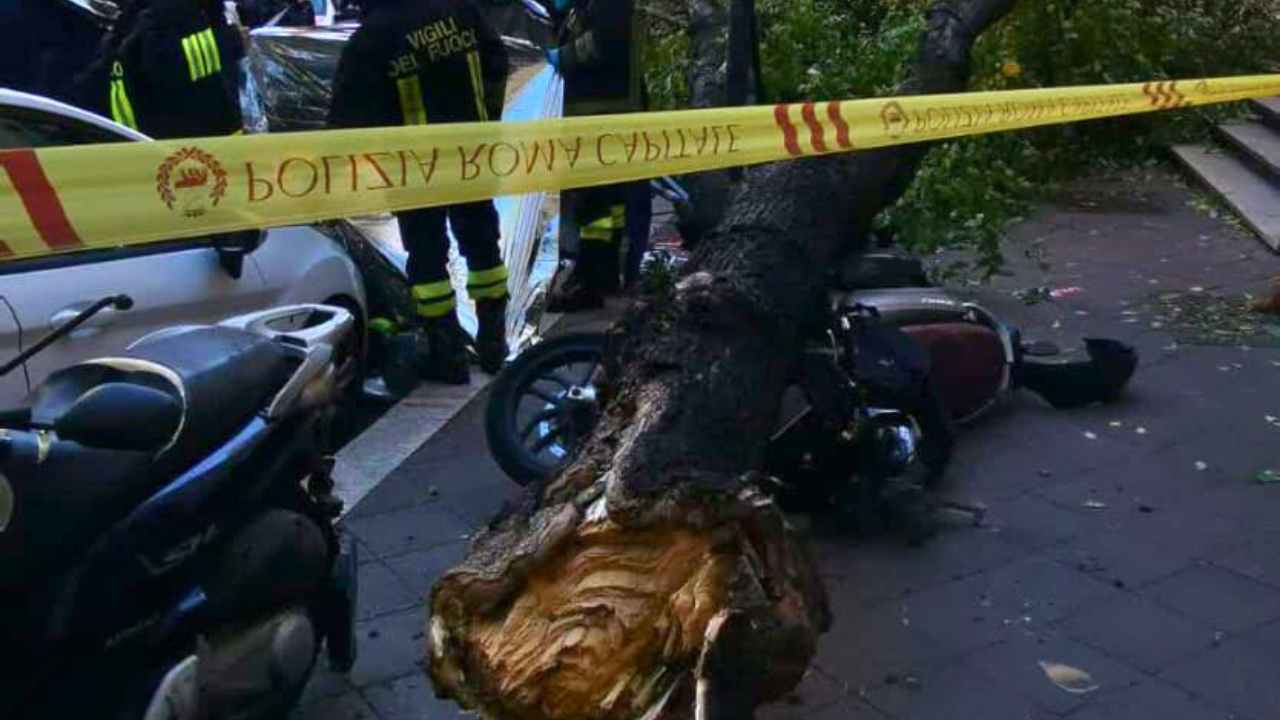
176,282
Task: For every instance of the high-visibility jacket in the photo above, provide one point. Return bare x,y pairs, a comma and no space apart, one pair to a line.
175,73
602,58
414,62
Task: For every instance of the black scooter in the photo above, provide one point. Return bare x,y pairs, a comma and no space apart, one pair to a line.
168,547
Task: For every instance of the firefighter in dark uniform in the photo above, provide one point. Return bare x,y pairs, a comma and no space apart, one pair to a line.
420,62
601,43
169,70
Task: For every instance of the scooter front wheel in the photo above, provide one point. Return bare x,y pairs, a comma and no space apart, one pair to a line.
543,405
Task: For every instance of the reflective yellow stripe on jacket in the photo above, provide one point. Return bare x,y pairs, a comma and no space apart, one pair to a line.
202,54
411,105
477,85
121,108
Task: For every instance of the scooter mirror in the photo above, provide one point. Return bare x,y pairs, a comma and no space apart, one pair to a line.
121,416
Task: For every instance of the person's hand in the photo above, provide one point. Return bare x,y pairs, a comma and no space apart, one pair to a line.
553,57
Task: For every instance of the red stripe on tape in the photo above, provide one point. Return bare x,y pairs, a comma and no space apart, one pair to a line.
815,127
40,199
842,127
789,136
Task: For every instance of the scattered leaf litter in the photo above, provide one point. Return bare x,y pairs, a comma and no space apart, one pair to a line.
1071,679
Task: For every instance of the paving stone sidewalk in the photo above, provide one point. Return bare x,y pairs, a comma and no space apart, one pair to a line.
1132,541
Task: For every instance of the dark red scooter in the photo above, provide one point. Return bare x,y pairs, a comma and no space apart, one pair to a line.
899,363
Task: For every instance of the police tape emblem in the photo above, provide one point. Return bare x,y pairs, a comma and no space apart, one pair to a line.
191,180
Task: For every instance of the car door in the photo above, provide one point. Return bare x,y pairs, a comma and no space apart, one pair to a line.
170,283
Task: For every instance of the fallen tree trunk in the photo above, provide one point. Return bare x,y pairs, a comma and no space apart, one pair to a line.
651,579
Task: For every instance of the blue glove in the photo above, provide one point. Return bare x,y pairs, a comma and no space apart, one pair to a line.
553,57
562,5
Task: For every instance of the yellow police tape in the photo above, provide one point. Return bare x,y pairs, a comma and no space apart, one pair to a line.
92,196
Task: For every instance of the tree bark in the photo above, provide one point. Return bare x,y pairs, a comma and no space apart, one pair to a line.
708,81
652,579
724,70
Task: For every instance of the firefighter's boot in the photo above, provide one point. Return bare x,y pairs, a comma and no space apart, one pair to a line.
610,266
446,359
585,289
491,339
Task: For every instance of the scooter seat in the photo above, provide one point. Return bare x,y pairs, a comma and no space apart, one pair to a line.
878,271
221,376
903,306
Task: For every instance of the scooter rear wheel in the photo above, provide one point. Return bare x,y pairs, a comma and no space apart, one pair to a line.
541,406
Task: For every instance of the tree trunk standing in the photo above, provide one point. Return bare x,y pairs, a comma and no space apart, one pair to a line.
724,70
651,577
708,81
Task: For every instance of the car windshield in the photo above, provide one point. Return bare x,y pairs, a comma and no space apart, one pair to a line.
22,127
